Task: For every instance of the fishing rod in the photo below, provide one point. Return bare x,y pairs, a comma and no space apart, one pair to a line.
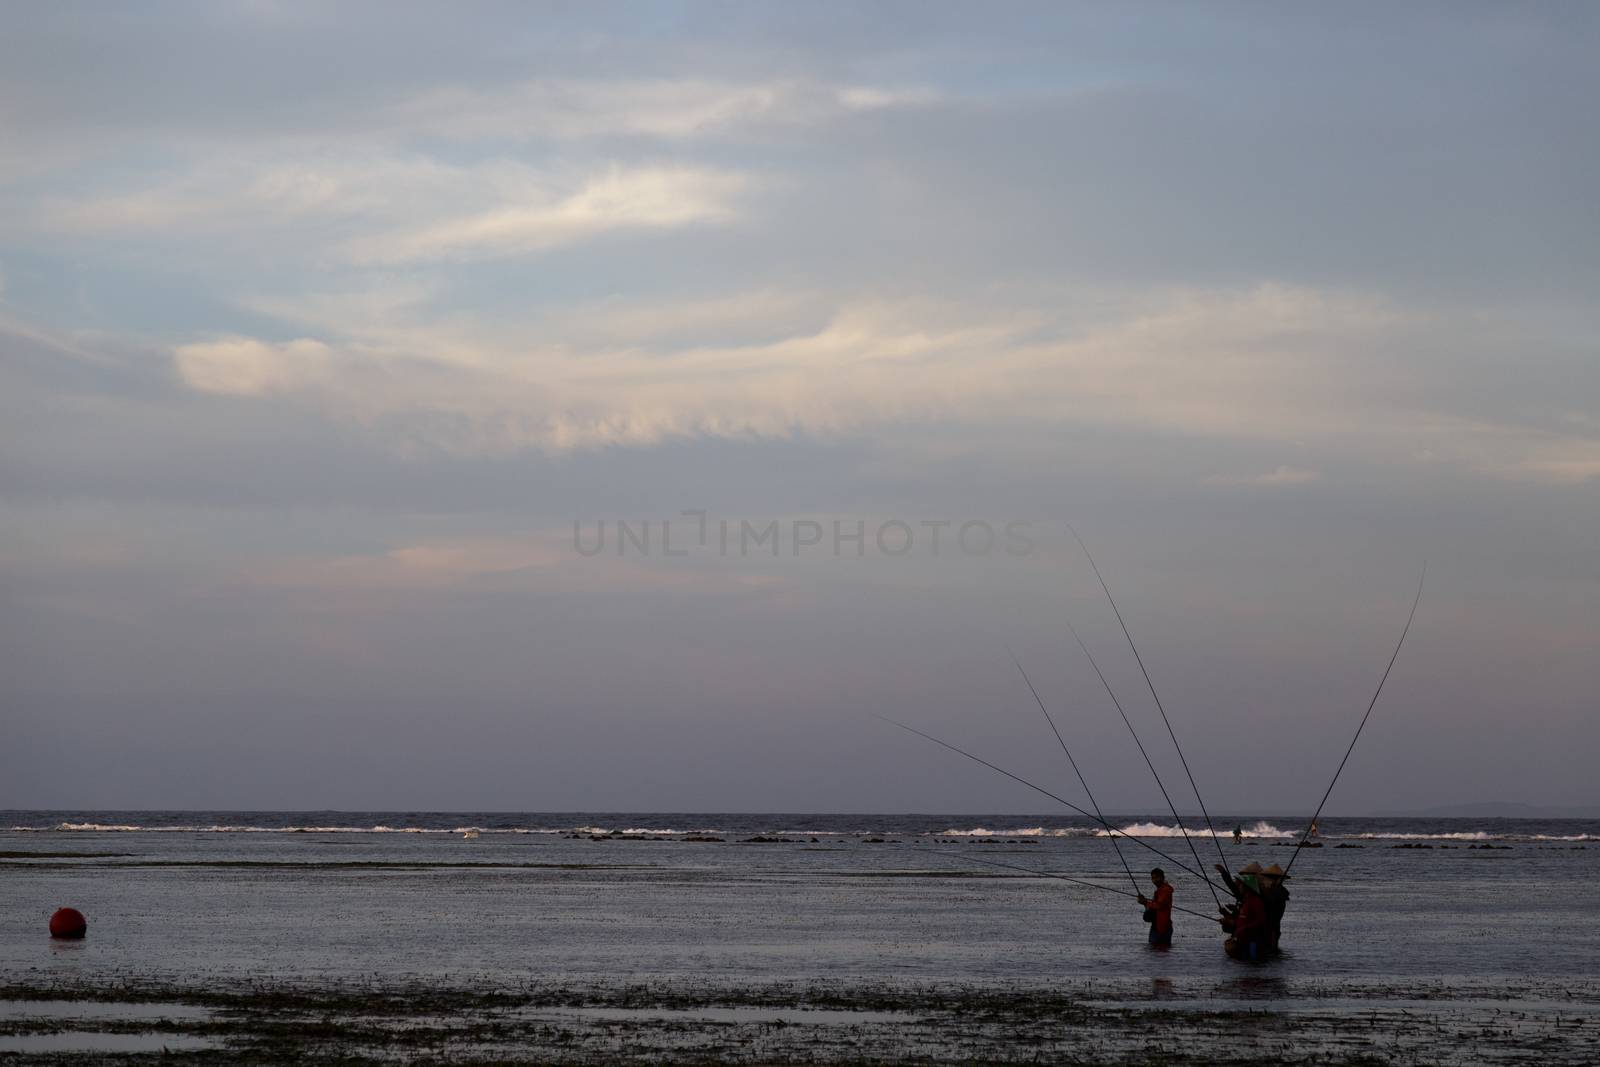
1082,781
1307,836
1042,790
1140,659
1042,874
1147,761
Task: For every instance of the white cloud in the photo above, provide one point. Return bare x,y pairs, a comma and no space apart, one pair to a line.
382,209
246,367
1272,363
624,321
658,108
642,199
1569,455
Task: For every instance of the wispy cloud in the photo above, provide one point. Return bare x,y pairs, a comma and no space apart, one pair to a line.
654,108
435,565
1268,364
395,209
642,199
1279,477
245,366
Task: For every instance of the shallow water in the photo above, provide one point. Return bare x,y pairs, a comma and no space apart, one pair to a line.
853,938
96,1041
70,1011
187,904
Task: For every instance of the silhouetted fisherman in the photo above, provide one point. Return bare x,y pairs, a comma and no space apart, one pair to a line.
1250,938
1275,897
1158,910
1270,888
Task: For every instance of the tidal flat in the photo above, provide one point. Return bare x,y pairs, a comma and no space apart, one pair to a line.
865,1022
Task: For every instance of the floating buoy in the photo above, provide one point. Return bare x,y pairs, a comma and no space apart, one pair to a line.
68,922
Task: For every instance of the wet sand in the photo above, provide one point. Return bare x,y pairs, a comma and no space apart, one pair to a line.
1101,1022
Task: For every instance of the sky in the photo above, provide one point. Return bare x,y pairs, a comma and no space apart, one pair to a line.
337,340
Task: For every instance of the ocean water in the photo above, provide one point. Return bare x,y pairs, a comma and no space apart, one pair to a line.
189,897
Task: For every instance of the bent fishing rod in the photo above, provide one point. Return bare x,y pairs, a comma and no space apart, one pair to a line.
1147,760
1041,790
1307,835
1159,707
1041,874
1081,780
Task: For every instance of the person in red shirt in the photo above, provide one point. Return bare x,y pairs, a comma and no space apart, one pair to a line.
1250,929
1158,910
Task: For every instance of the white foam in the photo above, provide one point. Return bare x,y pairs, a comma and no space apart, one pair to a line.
1152,829
1026,831
1257,830
641,830
124,828
1465,835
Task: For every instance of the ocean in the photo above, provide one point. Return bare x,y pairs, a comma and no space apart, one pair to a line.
1480,916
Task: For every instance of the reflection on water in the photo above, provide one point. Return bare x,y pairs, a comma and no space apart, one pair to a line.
1261,986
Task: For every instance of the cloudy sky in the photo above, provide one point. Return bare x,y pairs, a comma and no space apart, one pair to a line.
322,327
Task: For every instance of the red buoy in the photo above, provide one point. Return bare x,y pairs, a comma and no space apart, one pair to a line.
68,922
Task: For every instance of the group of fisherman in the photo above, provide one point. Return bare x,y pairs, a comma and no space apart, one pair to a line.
1253,921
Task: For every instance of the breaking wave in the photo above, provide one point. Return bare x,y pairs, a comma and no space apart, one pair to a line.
1471,835
224,828
1152,829
127,828
737,827
638,830
1464,835
1027,831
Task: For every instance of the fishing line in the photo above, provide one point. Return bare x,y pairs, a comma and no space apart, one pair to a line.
1140,659
1042,874
1147,761
1081,780
1307,836
1040,789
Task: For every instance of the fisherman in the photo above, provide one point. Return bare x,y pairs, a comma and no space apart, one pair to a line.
1238,835
1232,887
1275,897
1250,937
1158,910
